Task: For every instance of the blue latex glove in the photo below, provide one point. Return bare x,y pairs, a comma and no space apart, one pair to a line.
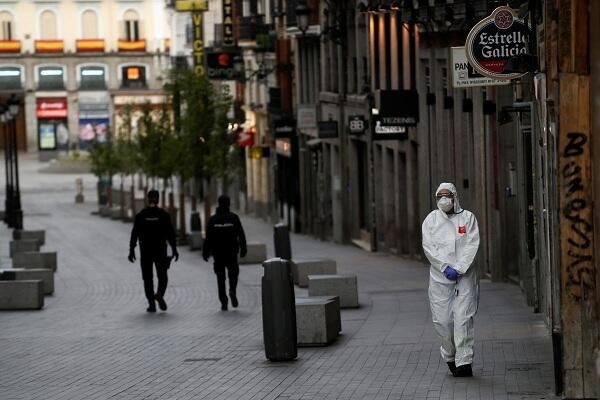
451,273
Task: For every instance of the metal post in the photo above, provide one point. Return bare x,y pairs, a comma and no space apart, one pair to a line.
6,192
18,213
9,185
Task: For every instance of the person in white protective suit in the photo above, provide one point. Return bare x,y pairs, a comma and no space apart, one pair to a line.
450,243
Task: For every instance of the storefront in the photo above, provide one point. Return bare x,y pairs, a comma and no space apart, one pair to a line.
53,131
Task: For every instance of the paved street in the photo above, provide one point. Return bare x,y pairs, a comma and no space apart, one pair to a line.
94,339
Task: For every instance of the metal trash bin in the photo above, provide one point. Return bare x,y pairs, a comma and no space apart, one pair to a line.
279,310
281,237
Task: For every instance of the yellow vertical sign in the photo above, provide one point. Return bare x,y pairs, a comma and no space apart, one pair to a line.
198,44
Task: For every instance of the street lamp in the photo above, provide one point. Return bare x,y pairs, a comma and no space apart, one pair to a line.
17,213
302,13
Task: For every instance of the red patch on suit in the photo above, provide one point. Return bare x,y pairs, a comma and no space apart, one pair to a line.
462,229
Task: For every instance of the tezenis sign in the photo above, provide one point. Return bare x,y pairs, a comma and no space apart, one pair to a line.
496,39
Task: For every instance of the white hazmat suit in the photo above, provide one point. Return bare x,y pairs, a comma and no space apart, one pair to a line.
452,239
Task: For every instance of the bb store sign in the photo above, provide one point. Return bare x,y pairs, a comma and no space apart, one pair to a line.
496,39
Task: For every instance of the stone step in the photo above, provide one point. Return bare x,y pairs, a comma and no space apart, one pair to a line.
318,320
21,295
257,254
303,267
344,286
27,260
40,235
22,274
23,246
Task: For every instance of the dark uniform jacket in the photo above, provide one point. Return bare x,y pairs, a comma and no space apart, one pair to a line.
153,228
224,235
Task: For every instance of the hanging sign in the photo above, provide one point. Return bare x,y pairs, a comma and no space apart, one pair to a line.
357,125
328,129
496,39
228,39
464,75
198,43
191,5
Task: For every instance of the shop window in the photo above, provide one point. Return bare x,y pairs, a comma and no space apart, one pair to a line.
48,27
51,78
134,77
92,78
131,24
6,26
10,78
89,25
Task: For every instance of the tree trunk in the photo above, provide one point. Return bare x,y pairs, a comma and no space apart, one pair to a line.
109,198
207,201
122,198
194,195
163,194
182,233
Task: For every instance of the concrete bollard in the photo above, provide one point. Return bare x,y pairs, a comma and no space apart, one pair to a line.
281,240
343,286
27,260
115,213
40,235
257,254
23,245
318,320
196,241
79,196
21,295
22,274
302,268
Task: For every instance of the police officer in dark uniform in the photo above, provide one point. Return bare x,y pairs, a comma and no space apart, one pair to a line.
153,229
224,239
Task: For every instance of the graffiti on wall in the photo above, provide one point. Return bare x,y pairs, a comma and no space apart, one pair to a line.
576,216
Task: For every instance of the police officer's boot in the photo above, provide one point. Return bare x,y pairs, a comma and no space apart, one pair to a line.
234,300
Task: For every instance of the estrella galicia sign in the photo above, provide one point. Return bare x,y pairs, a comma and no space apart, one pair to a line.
496,39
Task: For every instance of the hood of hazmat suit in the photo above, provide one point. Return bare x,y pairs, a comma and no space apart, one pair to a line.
452,239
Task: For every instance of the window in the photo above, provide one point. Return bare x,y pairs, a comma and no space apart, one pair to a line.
134,77
51,78
132,26
48,25
89,25
10,78
92,78
6,26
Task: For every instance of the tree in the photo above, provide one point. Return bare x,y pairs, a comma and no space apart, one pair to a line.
205,140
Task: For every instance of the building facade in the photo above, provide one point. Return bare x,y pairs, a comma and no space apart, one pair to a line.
76,64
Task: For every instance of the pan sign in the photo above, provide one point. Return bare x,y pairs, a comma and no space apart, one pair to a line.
464,75
496,39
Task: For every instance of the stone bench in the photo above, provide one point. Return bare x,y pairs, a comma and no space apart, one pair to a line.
344,286
22,274
23,246
302,268
21,295
318,320
257,253
195,240
115,213
40,236
35,260
105,211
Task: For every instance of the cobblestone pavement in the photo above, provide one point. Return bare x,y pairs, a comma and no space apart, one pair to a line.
94,340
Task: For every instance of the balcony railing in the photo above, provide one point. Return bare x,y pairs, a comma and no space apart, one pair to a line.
252,26
10,46
89,45
132,45
49,46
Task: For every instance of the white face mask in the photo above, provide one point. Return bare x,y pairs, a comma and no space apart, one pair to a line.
445,204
